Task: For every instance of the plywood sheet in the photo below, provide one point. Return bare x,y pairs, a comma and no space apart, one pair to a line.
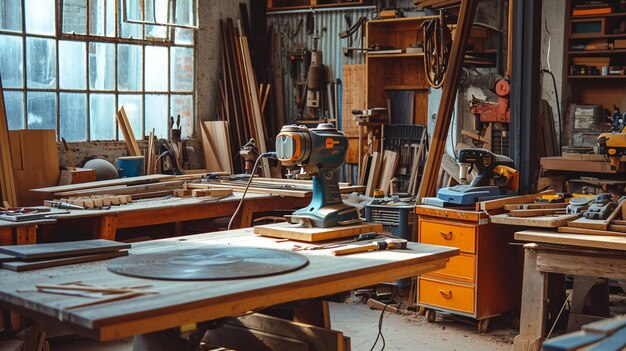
353,97
102,183
290,231
82,247
21,266
592,241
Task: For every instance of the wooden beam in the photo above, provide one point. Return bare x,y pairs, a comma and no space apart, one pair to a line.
446,106
127,131
7,181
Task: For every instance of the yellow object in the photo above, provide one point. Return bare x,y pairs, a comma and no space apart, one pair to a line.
509,177
186,328
451,296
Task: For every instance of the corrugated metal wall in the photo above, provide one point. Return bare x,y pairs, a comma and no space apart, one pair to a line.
328,24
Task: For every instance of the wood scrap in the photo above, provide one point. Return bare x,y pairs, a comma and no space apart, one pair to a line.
182,193
373,177
211,192
541,221
127,131
536,212
69,156
536,205
21,266
389,165
7,181
617,228
500,203
151,154
97,201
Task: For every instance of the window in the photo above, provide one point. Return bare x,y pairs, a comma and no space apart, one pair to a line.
71,71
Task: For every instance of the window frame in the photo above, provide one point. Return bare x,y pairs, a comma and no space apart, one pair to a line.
168,42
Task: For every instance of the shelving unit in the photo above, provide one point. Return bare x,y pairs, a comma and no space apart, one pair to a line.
587,30
280,5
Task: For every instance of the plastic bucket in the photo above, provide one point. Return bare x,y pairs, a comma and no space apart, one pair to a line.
130,166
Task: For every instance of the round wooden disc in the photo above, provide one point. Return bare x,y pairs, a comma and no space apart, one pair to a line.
209,263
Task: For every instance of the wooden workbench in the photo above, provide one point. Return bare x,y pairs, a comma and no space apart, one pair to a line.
181,302
550,252
105,223
21,233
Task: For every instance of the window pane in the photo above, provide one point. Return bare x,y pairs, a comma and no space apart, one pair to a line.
157,115
183,105
40,63
134,111
72,71
183,36
75,16
133,12
181,69
185,12
14,103
11,69
40,15
101,66
42,110
129,68
156,13
102,20
72,116
11,15
102,117
156,68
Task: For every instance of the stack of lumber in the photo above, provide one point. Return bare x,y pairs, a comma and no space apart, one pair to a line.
605,334
96,201
240,100
613,225
21,258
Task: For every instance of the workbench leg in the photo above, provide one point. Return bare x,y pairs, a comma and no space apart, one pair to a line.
533,314
247,211
26,234
104,227
315,313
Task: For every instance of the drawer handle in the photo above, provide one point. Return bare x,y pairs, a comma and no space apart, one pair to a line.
446,294
447,236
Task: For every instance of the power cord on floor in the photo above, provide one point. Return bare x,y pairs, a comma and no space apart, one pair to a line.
256,164
380,329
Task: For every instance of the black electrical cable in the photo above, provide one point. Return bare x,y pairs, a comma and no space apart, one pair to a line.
380,329
558,106
256,164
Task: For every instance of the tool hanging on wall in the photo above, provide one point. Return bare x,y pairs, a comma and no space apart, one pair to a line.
299,62
437,48
314,82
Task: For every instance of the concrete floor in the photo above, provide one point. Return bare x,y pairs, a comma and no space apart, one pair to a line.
408,332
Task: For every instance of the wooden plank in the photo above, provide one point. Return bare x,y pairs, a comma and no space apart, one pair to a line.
389,164
353,97
500,203
7,181
104,183
83,247
617,228
269,191
241,338
211,192
448,99
123,189
279,90
563,164
536,212
212,161
256,109
127,131
583,222
290,231
576,230
583,240
22,266
319,339
373,178
542,221
532,206
150,155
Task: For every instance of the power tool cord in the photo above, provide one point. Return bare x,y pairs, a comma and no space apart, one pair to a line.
256,164
380,329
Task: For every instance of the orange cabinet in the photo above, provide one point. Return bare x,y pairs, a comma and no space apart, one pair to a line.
484,280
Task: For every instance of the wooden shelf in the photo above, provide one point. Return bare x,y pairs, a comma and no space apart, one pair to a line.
404,87
596,77
596,52
416,54
312,4
616,14
577,36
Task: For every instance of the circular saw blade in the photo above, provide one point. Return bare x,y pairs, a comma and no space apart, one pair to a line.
209,263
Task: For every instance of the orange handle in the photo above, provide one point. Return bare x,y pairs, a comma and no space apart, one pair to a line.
354,249
446,294
447,236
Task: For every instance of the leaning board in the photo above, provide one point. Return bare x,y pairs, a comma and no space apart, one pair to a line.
290,231
540,221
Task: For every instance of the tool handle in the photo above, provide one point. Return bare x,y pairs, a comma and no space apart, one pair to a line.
354,249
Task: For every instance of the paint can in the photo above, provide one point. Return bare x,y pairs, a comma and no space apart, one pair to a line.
130,166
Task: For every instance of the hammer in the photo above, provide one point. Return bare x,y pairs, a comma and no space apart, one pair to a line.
387,244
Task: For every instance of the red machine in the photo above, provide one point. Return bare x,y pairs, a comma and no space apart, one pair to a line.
497,112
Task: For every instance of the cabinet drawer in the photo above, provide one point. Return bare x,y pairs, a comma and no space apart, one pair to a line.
461,267
446,295
456,235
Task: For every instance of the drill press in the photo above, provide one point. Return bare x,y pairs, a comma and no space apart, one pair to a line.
320,152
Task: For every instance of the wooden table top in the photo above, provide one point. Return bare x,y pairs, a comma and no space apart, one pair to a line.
181,302
580,240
